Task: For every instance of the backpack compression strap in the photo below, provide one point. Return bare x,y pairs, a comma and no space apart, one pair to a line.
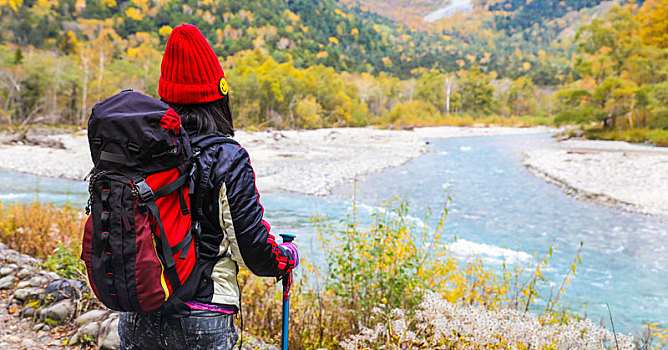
149,197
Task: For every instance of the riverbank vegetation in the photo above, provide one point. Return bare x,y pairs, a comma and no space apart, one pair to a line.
387,283
333,64
622,84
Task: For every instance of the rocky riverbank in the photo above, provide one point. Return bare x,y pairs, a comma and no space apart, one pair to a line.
41,310
307,161
619,174
633,177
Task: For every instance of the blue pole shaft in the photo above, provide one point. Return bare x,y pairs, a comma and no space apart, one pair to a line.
286,301
286,316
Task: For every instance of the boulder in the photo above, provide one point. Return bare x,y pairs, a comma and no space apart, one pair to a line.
61,310
110,338
91,316
7,282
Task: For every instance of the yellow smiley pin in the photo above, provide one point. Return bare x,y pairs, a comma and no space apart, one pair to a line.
223,86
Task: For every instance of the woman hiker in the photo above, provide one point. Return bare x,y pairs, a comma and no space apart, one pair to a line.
233,232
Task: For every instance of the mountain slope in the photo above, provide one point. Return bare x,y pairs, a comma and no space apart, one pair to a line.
508,37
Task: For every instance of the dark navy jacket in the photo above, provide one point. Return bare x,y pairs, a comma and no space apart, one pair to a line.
233,230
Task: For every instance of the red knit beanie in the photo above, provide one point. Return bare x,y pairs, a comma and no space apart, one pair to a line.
190,72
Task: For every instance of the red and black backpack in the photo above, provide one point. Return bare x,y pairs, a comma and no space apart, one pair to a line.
139,241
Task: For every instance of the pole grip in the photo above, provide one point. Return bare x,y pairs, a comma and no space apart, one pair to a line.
287,238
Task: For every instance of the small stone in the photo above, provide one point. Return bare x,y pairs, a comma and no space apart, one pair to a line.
12,256
73,339
25,259
8,269
24,272
28,293
38,281
28,311
92,330
13,339
7,282
42,314
23,284
52,275
28,343
38,327
91,316
61,310
112,339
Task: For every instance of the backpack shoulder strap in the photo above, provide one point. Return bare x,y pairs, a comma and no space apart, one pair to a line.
205,141
198,144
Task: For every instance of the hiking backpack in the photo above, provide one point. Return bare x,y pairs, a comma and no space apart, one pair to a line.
138,240
140,243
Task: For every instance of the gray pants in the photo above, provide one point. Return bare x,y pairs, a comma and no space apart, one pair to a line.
155,331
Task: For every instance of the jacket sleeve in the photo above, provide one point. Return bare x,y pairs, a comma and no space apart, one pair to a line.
241,213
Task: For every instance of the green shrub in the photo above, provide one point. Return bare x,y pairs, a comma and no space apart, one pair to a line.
65,261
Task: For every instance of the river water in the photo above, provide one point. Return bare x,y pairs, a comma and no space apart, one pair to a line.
500,212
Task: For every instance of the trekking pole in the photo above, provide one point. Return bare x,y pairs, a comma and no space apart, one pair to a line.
286,298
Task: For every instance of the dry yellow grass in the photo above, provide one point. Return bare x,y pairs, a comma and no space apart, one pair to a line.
37,228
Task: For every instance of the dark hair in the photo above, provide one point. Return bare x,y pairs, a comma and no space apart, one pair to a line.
206,118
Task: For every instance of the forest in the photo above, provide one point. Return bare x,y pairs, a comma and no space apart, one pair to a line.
306,64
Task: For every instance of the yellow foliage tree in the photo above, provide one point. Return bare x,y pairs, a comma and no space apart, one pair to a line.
134,13
166,30
109,3
653,15
14,4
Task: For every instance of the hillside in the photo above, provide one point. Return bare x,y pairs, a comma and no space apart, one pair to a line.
356,36
311,64
312,32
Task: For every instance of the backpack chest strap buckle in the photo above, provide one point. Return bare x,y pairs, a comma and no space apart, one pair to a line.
143,191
